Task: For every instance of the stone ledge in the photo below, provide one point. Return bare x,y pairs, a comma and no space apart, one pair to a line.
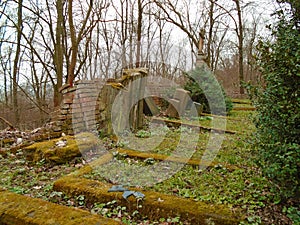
178,123
155,205
161,157
19,209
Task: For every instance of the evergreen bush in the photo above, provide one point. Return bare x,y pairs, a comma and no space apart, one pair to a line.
205,89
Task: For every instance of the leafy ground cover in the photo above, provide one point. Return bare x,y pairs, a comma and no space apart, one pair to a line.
242,188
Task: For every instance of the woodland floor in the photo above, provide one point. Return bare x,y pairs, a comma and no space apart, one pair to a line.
243,187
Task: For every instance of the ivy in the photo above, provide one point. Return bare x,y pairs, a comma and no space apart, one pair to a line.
278,104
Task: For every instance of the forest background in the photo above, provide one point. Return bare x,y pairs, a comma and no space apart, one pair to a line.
46,44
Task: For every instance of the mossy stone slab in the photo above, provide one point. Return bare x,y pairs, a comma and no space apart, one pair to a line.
19,209
155,205
59,155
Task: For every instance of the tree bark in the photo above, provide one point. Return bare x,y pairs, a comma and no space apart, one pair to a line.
16,63
240,45
75,39
139,33
58,53
210,33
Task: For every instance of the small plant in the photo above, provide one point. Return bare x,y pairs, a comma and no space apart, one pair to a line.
41,163
149,161
113,210
81,200
56,194
18,190
143,134
293,213
252,220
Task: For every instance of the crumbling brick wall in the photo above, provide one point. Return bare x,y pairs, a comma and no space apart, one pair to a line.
87,105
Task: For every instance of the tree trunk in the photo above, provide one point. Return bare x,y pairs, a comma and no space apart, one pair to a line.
76,39
139,33
58,53
56,96
74,47
16,64
240,46
210,34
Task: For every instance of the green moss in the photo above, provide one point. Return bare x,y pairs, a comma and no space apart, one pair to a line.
241,101
240,108
7,141
18,209
52,153
154,205
193,162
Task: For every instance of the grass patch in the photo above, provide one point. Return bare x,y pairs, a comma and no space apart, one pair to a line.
241,188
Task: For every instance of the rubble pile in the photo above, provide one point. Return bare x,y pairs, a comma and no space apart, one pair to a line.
12,138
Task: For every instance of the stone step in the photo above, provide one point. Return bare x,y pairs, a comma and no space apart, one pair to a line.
18,209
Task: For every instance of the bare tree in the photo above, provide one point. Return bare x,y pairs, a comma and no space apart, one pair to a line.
182,20
77,38
239,32
4,59
191,17
19,29
59,48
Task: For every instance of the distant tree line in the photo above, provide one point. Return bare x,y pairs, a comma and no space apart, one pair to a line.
51,43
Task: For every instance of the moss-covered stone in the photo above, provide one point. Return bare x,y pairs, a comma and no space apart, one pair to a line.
244,108
178,123
7,141
154,205
18,209
193,162
51,152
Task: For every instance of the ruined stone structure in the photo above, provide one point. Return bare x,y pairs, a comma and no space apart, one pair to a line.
87,105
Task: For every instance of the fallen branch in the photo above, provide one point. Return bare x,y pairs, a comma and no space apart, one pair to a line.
6,122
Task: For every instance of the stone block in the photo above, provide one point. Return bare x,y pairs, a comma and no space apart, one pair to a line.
172,109
198,107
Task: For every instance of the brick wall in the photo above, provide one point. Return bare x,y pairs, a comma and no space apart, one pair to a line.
87,105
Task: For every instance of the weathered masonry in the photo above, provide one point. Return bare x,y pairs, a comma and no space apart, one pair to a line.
87,106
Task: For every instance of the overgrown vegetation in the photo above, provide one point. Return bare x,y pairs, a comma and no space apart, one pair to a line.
234,179
205,89
278,103
239,187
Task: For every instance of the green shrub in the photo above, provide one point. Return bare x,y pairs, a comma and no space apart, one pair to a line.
278,104
205,89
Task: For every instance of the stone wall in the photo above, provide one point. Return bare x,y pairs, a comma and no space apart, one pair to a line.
83,108
87,105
